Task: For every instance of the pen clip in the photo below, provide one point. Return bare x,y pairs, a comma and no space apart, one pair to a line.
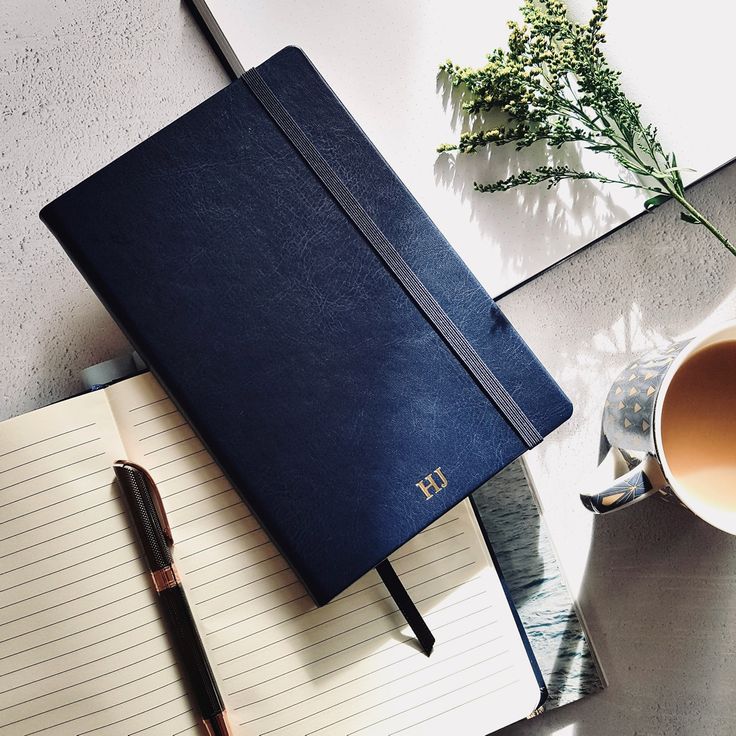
153,491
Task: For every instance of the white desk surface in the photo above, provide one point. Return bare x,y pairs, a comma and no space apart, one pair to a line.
84,81
381,57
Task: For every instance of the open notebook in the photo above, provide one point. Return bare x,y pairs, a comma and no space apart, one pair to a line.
82,649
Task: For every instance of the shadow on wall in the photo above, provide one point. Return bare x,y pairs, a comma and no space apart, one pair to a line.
642,288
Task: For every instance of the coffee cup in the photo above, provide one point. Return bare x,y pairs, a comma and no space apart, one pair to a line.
677,407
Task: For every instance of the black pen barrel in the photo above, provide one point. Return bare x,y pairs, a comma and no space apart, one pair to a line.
141,499
191,652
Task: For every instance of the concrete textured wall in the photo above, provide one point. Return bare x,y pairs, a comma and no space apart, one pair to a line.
82,81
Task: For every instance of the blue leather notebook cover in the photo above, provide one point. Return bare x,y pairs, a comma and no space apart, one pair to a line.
330,401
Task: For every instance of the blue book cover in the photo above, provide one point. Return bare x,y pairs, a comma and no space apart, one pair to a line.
343,389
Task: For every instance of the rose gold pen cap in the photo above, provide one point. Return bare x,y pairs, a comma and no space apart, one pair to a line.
218,725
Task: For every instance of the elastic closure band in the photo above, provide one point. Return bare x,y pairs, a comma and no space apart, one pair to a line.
431,308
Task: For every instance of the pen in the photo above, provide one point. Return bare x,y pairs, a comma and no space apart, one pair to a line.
144,505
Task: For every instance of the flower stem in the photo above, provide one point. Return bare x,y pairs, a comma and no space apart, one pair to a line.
701,218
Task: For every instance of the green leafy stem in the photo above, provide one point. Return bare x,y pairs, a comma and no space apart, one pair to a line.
553,84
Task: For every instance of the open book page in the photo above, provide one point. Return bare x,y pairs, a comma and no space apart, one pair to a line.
288,668
82,648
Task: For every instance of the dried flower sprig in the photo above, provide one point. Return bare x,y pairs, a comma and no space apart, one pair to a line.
555,85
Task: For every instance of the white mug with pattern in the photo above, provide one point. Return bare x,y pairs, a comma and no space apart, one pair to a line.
632,423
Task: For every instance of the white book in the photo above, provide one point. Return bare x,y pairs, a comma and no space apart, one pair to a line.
381,57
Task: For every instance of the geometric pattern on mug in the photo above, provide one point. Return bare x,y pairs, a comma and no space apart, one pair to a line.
631,488
629,408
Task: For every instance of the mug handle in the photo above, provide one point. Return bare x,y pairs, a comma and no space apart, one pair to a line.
642,481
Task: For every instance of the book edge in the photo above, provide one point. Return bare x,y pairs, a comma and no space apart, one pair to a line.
565,579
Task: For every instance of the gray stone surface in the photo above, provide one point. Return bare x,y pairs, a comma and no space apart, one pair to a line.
657,585
83,81
80,83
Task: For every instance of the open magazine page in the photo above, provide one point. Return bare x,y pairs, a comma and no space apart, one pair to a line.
526,555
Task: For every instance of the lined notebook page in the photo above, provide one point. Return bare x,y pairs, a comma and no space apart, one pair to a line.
351,667
82,649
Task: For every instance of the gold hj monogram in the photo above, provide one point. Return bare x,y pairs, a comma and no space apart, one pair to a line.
429,486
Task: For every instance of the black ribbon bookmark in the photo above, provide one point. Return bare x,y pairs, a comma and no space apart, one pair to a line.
406,606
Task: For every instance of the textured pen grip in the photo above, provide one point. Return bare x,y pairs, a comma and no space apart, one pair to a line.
137,497
190,650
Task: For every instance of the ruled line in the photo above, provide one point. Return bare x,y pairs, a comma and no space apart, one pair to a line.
59,518
221,542
67,533
364,641
389,700
127,718
445,556
455,707
342,597
411,655
215,528
234,572
74,633
210,513
92,645
51,488
86,646
50,454
76,666
166,720
186,472
51,505
153,419
317,625
46,439
76,615
177,459
434,527
84,682
260,613
108,707
170,429
245,585
222,559
279,596
67,584
426,546
172,444
423,703
53,470
401,677
98,693
62,552
150,403
199,500
189,488
335,618
333,636
179,733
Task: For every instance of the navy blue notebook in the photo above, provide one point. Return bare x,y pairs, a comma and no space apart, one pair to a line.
348,372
